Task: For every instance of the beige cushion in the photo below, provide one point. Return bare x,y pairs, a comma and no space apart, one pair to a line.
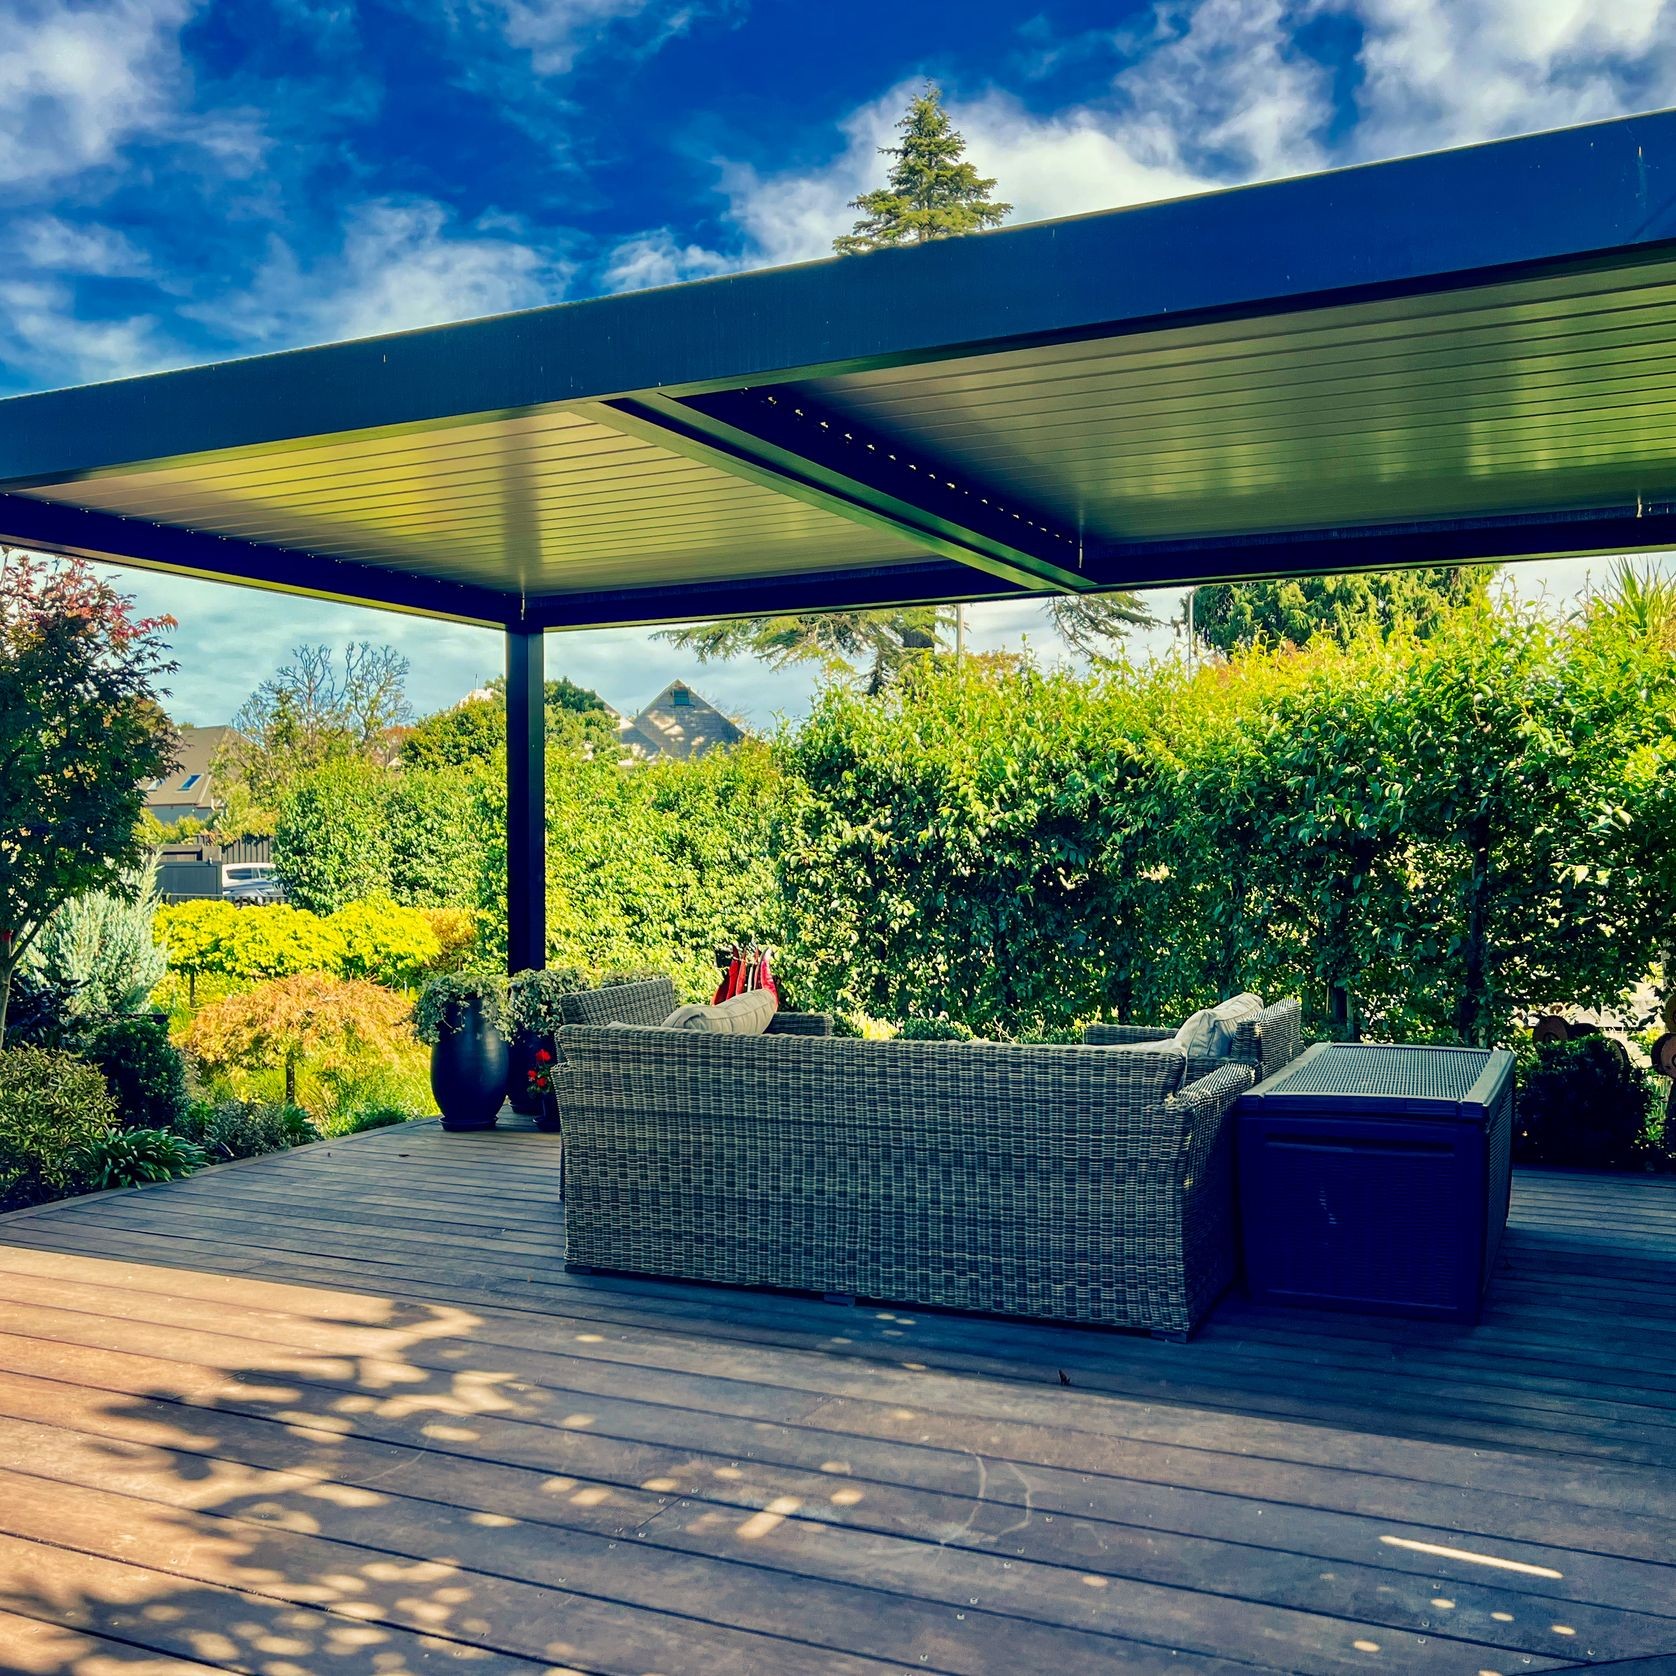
748,1014
1212,1030
1200,1035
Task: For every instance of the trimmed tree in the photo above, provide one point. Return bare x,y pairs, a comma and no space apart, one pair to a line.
1294,609
869,647
332,1025
81,732
331,841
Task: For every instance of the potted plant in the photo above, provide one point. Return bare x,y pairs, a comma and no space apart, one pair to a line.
533,1015
461,1015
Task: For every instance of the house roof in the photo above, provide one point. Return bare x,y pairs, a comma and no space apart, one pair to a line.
679,723
191,784
1464,355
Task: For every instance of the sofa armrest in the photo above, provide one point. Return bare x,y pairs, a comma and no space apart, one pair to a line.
1124,1035
799,1024
1273,1039
1208,1097
1209,1244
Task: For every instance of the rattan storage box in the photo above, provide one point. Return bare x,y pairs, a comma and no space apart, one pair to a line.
1376,1178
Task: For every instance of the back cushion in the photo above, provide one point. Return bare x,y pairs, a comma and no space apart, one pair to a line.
1213,1030
746,1014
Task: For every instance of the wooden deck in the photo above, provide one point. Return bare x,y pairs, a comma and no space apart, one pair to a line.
344,1412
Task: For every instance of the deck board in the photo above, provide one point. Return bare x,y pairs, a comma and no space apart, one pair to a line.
344,1410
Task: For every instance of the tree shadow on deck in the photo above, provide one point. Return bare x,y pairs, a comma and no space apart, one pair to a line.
214,1459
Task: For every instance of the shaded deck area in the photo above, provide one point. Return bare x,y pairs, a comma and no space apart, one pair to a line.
343,1411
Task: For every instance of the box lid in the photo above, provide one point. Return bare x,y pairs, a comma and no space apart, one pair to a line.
1378,1079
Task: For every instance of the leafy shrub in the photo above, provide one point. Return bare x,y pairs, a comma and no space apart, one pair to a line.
1420,837
100,947
655,865
455,930
1582,1104
383,942
446,996
637,974
41,1011
376,1117
145,1070
334,1026
133,1157
934,1030
227,1129
53,1109
532,999
279,942
435,821
196,936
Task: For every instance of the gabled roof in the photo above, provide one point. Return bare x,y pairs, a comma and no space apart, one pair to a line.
1457,356
191,784
679,723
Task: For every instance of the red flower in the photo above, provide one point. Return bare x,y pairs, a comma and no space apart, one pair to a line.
543,1057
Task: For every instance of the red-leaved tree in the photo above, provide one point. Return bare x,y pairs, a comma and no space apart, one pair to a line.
81,732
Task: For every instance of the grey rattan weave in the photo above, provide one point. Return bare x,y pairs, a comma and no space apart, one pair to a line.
1267,1042
1061,1183
648,1001
652,1000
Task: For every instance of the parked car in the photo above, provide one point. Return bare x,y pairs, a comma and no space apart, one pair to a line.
249,884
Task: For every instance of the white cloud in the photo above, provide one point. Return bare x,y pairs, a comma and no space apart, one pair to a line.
658,258
79,82
1213,93
555,33
1446,72
49,243
1222,88
402,262
45,336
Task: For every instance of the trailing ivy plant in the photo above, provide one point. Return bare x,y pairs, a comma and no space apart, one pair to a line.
533,997
447,997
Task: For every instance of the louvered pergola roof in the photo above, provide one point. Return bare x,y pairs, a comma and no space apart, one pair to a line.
1461,356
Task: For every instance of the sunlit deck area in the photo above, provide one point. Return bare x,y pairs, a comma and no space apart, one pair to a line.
343,1410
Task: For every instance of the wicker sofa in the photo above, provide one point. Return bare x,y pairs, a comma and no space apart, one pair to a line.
1061,1183
1266,1042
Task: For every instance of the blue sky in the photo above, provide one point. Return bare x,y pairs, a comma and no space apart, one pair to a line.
185,181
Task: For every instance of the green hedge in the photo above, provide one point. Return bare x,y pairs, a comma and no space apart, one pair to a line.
1422,838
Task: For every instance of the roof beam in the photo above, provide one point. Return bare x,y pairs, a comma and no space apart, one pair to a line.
52,527
1575,533
1581,195
797,450
936,582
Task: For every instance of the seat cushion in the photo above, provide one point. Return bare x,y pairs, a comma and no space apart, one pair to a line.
747,1014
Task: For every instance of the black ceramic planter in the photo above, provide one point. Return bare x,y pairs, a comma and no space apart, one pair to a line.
518,1093
547,1116
468,1071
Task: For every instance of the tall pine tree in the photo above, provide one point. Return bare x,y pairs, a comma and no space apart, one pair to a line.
932,193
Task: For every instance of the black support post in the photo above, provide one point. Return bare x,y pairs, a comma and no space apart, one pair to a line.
526,801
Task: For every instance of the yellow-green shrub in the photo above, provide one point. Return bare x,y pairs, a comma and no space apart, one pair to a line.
384,942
